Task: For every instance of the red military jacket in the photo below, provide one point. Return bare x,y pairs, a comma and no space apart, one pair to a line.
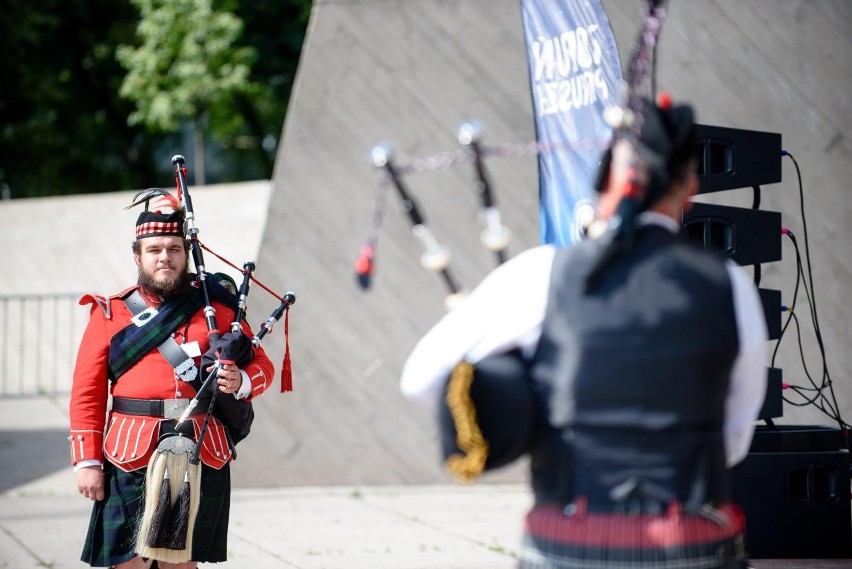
129,440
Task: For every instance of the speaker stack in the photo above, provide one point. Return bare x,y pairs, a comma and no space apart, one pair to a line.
729,159
794,485
794,489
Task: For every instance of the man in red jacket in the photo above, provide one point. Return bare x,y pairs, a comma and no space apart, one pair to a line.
143,347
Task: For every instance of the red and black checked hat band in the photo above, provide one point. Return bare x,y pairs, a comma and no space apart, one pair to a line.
156,224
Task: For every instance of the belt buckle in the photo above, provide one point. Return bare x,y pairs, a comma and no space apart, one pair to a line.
174,408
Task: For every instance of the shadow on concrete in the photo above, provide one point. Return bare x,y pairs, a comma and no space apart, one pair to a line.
34,454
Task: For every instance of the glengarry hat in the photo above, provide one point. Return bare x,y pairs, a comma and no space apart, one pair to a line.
163,215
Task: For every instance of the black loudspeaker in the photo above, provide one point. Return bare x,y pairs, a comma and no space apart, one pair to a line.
732,158
771,301
773,402
794,489
746,236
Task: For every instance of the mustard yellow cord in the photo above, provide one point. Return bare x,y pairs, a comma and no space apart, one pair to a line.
470,463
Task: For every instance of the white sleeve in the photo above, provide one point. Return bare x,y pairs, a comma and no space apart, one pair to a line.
505,311
748,377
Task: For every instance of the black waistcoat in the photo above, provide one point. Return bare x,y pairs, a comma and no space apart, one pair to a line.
633,376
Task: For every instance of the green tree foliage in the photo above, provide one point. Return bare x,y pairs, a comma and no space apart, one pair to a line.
64,130
186,64
64,127
276,28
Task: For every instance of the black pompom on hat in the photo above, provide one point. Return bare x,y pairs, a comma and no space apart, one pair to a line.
666,144
163,217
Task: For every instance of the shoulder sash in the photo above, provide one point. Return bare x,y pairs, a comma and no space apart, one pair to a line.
135,340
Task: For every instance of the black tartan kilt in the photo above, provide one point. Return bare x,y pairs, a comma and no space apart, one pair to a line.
112,528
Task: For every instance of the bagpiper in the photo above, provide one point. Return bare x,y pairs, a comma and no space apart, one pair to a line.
160,491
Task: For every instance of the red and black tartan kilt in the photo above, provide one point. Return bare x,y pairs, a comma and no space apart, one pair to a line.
554,540
112,528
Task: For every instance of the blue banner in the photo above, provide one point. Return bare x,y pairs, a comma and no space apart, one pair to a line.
575,73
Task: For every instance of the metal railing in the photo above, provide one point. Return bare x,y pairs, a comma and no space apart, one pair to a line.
39,337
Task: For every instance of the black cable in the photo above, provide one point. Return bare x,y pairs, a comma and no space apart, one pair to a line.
810,292
792,307
825,379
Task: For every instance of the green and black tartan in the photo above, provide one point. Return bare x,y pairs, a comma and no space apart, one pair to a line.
129,345
112,529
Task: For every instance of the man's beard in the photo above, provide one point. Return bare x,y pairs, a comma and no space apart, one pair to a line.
165,289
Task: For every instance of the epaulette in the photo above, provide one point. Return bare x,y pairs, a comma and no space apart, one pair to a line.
103,302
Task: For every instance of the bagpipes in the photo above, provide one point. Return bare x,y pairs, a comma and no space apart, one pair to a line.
626,121
228,351
473,438
171,503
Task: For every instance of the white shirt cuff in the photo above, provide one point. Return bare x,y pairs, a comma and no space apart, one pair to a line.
87,462
245,387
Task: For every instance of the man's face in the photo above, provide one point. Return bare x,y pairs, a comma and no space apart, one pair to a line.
162,263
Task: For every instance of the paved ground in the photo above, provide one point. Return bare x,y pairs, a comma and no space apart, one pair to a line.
43,520
421,527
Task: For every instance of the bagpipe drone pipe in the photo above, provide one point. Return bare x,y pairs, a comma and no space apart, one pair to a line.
436,257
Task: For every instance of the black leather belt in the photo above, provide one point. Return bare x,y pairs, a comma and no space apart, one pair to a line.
161,408
631,507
